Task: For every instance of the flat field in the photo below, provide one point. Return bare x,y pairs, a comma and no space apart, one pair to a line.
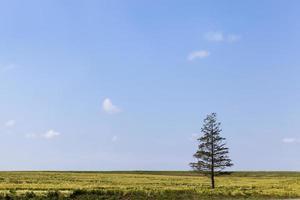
148,185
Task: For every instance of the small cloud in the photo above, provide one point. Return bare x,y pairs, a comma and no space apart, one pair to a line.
47,135
50,134
109,108
233,38
218,36
290,140
198,54
8,67
10,123
214,36
114,138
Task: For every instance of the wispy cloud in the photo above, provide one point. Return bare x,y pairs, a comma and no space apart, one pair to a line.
31,135
114,138
218,36
198,54
9,67
233,38
214,36
290,140
48,135
109,107
10,123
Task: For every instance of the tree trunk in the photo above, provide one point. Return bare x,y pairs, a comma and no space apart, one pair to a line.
212,176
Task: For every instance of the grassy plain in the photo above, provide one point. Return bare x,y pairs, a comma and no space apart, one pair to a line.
148,185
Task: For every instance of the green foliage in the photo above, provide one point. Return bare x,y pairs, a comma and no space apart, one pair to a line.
212,153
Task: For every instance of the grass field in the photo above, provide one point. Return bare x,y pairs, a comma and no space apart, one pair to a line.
148,185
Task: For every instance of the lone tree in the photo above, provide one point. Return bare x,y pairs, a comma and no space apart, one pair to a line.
212,154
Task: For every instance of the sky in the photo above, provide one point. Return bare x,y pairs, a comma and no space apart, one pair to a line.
125,85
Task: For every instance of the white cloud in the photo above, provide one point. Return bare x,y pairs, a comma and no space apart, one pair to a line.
198,54
290,140
10,123
233,38
109,108
114,138
50,134
8,67
214,36
218,36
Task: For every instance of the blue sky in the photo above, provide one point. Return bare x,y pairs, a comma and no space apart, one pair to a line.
125,85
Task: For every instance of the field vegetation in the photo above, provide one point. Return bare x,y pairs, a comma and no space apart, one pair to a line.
148,185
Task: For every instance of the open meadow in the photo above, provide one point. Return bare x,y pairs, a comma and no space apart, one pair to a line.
148,185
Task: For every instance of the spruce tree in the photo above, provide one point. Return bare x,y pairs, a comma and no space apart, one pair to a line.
212,154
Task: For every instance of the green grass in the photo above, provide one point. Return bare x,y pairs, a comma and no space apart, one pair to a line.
148,185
